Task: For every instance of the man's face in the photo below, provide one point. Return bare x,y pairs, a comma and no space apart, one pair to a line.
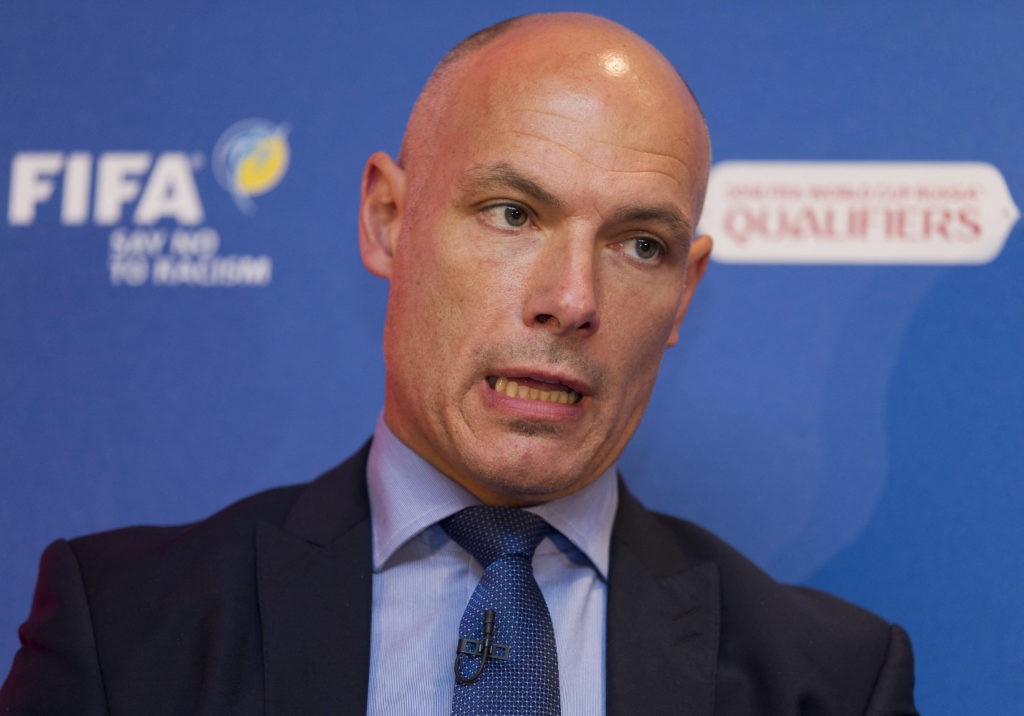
538,276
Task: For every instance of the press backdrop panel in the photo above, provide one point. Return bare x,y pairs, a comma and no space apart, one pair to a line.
184,319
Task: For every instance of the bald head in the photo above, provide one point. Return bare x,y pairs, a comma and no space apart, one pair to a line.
575,53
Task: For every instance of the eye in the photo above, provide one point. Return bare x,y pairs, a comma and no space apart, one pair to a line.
515,215
506,216
645,248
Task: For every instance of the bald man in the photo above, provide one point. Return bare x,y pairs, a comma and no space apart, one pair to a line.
538,234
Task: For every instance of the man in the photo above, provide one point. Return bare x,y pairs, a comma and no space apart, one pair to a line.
537,231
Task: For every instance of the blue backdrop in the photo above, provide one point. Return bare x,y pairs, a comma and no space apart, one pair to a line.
184,318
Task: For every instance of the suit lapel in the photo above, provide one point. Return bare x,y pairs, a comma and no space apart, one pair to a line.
663,620
315,597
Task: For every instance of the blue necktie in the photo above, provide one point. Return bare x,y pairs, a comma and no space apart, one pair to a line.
520,675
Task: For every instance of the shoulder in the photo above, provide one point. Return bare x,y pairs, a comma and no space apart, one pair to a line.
221,546
120,617
130,552
746,588
808,643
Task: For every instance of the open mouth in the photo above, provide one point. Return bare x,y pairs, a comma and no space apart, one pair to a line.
529,389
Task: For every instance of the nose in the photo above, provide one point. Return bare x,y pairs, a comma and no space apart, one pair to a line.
562,291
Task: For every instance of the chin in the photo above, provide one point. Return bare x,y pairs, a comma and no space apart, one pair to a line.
529,481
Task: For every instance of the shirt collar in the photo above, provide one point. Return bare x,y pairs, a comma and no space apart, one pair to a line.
408,495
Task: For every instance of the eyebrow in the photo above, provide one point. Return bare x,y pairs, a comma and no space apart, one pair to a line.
503,176
667,215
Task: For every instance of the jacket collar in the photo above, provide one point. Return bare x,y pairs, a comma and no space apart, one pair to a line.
662,620
314,583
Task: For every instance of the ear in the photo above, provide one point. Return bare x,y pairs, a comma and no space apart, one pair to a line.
381,203
696,266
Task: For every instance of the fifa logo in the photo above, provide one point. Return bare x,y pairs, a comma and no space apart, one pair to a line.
249,159
159,233
164,188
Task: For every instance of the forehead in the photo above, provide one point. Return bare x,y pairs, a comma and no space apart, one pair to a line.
608,113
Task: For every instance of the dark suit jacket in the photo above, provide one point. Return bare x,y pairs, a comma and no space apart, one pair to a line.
265,608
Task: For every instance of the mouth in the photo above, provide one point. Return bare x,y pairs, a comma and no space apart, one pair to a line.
534,389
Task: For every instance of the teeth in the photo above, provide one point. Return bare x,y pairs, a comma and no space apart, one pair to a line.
513,390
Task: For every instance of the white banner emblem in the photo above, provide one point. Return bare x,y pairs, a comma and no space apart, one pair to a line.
858,212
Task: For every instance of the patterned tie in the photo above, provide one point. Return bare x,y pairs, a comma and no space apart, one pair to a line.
520,674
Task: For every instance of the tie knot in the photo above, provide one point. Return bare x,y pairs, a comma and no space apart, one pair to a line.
488,533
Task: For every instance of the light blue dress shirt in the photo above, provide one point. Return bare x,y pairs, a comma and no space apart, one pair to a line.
422,581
